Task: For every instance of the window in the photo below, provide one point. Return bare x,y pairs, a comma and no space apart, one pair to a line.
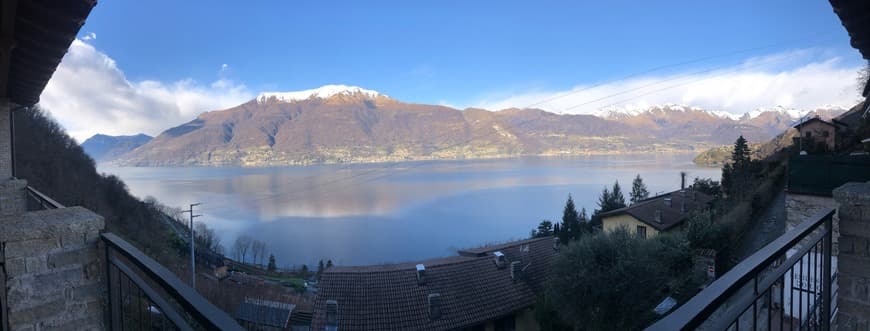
641,232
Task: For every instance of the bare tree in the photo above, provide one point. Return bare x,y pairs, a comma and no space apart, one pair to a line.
258,250
241,247
206,237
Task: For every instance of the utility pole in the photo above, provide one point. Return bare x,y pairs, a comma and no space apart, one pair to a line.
192,252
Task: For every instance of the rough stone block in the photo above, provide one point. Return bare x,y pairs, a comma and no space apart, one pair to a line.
88,291
81,255
72,240
31,247
16,267
61,278
36,264
40,312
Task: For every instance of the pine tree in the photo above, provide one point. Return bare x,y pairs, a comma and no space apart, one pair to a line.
740,155
545,229
328,264
570,224
638,190
604,201
617,199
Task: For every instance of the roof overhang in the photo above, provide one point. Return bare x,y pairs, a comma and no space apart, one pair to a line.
34,37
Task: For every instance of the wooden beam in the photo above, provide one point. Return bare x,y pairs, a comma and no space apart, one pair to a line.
7,42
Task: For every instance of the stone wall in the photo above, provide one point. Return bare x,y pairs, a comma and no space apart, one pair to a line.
801,207
54,270
854,259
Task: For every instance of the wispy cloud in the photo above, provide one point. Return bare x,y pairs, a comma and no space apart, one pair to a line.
89,94
798,79
89,36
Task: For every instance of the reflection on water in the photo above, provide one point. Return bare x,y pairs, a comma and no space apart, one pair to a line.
362,214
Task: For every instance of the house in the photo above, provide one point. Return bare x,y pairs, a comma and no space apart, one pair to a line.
489,288
657,214
820,135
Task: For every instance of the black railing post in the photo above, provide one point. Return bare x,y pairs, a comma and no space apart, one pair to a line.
826,273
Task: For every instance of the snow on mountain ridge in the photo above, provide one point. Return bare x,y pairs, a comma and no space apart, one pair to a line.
322,92
615,112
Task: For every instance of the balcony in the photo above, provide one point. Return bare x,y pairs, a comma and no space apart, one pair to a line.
797,281
57,270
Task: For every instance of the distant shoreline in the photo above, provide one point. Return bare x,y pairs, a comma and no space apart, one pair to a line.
415,160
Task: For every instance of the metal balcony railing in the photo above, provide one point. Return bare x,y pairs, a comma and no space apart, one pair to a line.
37,200
144,295
786,285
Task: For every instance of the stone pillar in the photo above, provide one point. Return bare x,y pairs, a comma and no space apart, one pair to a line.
55,271
5,140
854,259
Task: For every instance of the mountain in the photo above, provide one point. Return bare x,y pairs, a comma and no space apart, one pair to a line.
102,147
340,124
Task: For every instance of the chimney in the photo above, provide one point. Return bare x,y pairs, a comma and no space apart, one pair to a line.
332,314
668,201
658,216
556,244
500,259
682,180
516,270
434,306
421,275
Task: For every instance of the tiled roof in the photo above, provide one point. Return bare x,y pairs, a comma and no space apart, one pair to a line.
263,312
673,215
472,290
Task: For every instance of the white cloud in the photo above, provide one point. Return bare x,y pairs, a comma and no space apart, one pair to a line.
89,94
796,79
90,36
224,67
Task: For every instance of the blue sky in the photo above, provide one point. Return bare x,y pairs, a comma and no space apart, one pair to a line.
460,53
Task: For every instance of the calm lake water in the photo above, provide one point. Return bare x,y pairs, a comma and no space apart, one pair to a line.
396,212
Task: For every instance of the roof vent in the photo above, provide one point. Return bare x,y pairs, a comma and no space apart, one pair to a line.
434,306
556,244
516,270
332,314
500,259
668,201
421,274
658,216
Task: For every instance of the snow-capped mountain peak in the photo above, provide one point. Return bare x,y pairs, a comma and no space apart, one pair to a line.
613,112
323,92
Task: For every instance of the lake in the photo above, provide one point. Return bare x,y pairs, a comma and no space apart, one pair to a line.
396,212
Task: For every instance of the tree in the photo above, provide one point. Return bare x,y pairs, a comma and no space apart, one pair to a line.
707,186
545,229
737,175
328,264
613,280
241,247
271,266
320,269
304,271
638,190
258,250
570,221
207,238
617,199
